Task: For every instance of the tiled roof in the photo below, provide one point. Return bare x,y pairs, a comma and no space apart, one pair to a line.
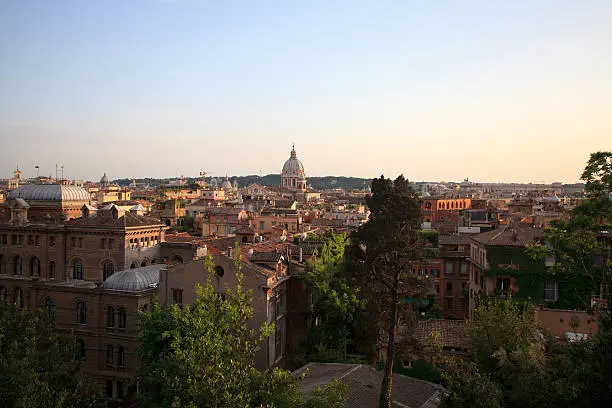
453,332
224,210
511,235
324,222
265,257
454,239
244,230
364,384
134,280
105,219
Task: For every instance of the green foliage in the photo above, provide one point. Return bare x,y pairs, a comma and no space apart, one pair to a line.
335,303
598,174
37,364
203,355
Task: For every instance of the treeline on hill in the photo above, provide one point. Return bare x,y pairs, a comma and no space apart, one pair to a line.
269,180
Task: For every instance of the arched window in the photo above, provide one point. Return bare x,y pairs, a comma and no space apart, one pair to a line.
144,263
133,266
77,269
50,308
81,313
80,350
107,269
120,356
19,298
2,263
110,354
34,266
51,269
176,259
2,294
18,266
121,317
219,271
110,317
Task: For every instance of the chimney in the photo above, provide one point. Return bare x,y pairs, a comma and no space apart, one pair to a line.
301,255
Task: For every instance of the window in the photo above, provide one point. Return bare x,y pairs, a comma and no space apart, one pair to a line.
503,285
119,389
2,263
550,292
102,243
262,225
4,239
18,266
448,303
435,272
34,266
13,239
110,355
77,269
30,240
81,313
437,288
177,296
109,389
110,317
37,240
107,269
449,289
219,271
278,340
2,294
51,269
121,318
464,268
80,350
52,241
120,356
448,268
50,308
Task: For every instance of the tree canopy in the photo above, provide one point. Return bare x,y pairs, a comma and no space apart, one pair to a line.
38,364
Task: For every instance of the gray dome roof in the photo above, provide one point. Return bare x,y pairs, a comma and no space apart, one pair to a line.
104,179
50,192
134,280
293,166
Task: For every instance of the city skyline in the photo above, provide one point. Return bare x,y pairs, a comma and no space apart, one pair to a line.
518,92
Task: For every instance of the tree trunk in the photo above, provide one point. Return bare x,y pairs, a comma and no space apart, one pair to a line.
386,396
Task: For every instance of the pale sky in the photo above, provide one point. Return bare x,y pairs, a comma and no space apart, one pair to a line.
437,90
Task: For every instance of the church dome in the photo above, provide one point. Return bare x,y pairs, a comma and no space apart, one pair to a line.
104,180
293,166
50,192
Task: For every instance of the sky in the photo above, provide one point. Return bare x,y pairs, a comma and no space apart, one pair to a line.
435,90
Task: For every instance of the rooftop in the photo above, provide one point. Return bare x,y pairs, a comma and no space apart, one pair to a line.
134,280
364,383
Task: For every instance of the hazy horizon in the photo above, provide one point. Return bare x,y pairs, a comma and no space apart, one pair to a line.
515,91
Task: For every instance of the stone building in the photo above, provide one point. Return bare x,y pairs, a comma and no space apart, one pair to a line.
91,273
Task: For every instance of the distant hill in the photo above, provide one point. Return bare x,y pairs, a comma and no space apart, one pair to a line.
269,180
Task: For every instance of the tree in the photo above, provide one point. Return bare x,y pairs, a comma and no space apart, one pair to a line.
335,302
38,365
203,355
598,174
380,256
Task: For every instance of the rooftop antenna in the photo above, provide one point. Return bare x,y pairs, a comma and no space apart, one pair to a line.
62,167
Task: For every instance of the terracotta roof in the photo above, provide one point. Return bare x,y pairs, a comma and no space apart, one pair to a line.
105,219
511,235
364,384
324,222
271,256
224,210
453,332
244,230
